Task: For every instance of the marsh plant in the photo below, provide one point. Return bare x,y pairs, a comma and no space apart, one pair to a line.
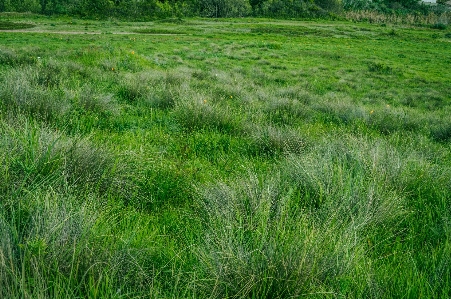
291,233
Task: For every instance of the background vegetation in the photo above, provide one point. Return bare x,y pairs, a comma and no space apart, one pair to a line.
151,9
231,158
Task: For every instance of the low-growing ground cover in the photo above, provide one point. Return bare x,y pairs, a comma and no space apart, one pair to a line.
244,158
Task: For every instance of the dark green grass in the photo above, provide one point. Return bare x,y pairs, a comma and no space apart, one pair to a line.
158,31
250,158
7,25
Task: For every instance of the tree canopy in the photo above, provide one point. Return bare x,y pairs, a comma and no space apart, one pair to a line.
149,9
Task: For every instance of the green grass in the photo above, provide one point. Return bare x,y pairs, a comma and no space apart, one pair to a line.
7,25
245,158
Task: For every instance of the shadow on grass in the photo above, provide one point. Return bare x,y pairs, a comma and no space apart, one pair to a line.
7,25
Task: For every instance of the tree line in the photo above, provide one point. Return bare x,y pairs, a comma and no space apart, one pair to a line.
150,9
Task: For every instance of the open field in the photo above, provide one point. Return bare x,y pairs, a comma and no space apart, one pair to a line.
230,158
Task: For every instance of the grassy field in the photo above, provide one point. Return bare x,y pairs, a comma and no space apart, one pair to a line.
232,158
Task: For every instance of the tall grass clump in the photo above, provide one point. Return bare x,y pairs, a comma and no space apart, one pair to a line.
44,235
253,247
40,157
306,229
372,16
26,90
51,91
199,113
57,245
153,89
271,140
94,101
59,217
11,58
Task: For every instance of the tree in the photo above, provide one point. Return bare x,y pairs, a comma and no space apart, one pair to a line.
98,8
330,5
20,5
224,8
290,8
256,5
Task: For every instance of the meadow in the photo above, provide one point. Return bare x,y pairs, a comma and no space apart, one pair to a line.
224,158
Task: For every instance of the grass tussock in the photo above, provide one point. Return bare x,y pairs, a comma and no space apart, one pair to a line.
269,140
12,58
153,89
26,90
199,113
287,235
41,157
8,25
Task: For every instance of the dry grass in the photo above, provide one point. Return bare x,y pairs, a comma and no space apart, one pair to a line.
408,19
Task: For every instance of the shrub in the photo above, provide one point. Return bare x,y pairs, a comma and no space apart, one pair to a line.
439,26
223,8
330,5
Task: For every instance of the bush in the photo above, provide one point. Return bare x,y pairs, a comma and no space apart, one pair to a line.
439,26
223,8
292,8
330,5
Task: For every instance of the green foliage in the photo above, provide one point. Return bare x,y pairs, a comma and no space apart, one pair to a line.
149,9
330,5
247,158
6,25
200,114
20,5
387,6
12,58
160,9
439,26
290,9
223,8
380,68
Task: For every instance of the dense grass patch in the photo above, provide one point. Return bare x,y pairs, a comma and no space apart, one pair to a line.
7,25
158,31
248,159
